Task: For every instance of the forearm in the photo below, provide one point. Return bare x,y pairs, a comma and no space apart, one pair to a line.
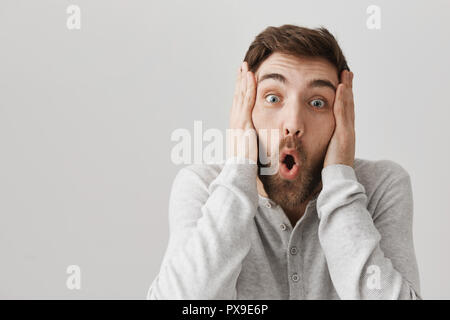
205,261
351,242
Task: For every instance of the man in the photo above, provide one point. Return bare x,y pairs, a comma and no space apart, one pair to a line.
326,225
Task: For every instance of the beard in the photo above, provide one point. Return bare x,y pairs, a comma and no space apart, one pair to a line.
291,194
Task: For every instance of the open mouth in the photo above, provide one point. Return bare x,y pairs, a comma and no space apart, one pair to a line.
289,164
289,161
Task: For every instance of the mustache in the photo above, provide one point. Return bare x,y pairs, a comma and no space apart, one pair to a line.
289,142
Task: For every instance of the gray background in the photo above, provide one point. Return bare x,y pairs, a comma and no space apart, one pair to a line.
86,118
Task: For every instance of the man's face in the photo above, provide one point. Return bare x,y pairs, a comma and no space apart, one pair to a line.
295,96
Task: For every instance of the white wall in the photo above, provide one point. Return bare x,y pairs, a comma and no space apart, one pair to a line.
86,117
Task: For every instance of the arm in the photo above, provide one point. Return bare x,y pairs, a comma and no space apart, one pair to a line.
209,225
208,234
368,258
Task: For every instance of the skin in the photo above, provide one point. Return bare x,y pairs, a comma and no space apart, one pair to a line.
317,120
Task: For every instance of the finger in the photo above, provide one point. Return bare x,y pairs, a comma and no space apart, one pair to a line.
344,77
346,80
344,107
243,81
349,89
237,86
240,96
350,80
338,108
250,95
351,105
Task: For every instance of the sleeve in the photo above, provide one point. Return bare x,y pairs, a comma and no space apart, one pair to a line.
368,258
208,234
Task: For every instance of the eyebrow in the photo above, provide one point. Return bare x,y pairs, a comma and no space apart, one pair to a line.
321,83
315,83
275,76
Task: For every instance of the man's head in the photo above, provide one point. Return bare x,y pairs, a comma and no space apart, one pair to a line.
297,72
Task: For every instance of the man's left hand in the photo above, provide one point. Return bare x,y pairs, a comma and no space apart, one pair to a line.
341,148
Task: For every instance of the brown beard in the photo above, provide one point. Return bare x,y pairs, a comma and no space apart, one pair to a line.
291,194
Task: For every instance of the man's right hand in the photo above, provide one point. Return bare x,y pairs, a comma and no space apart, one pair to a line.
243,135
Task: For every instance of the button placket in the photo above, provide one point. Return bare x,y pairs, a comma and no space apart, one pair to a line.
293,250
283,223
298,253
295,258
292,264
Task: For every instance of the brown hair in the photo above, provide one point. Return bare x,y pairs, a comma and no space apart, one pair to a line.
297,41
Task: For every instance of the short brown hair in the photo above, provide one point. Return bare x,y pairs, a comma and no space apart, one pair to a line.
297,41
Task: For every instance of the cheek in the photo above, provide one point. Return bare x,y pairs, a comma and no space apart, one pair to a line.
266,125
323,125
319,135
261,119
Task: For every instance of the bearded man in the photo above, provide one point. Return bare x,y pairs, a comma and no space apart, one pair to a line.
324,225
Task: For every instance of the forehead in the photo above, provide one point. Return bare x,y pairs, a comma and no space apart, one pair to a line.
298,69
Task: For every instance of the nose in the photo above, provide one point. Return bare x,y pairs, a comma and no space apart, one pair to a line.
292,131
293,124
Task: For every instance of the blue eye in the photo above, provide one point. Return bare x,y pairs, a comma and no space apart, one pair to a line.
318,103
273,98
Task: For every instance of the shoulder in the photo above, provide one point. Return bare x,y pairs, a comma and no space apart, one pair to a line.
202,174
373,171
380,178
195,179
189,193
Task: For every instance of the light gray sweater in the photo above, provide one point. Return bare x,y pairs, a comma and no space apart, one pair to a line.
226,241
